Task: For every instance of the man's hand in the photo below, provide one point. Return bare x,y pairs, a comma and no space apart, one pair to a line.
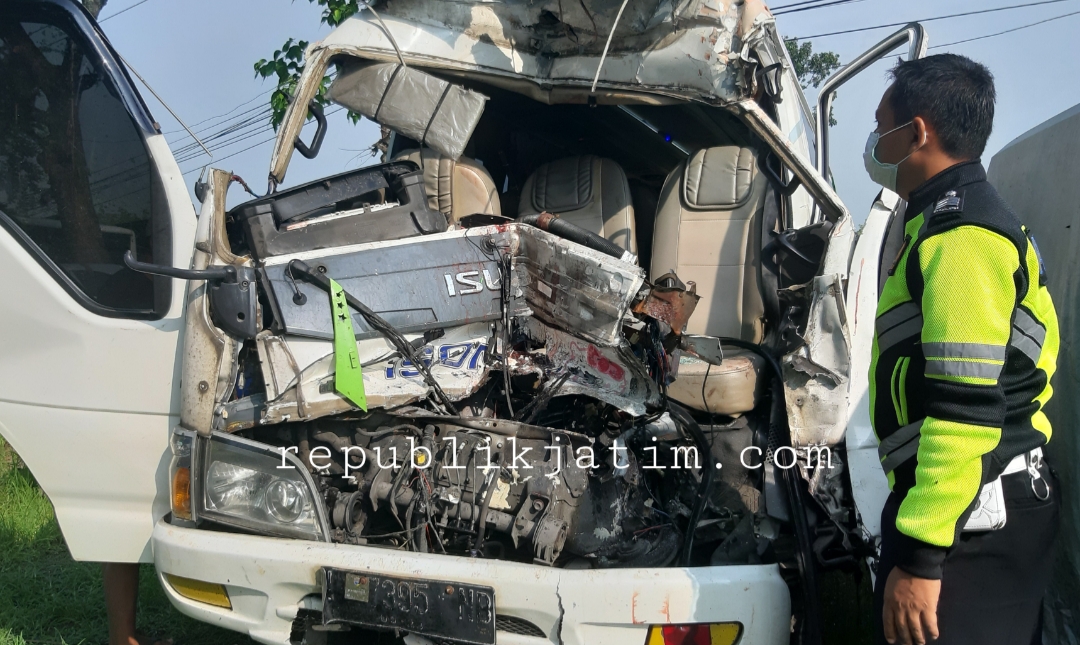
910,613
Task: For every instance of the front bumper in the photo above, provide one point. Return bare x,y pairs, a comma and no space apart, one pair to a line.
270,579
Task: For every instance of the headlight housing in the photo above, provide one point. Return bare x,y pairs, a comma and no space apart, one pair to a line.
242,483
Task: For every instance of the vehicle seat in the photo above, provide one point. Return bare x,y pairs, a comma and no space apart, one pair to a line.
708,230
454,188
589,191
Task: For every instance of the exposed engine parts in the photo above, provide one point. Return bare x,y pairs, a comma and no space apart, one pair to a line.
505,489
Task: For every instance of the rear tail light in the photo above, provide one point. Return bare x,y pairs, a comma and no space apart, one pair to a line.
696,634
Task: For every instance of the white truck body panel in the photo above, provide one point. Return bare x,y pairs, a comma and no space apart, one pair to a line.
89,401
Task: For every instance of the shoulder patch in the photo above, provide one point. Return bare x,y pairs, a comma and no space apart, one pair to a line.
950,202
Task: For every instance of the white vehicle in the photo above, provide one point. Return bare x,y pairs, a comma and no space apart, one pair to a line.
583,362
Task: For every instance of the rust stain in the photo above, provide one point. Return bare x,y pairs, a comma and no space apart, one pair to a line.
633,610
666,609
671,305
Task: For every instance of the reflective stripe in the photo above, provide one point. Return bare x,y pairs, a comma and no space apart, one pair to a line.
1031,327
963,368
963,350
898,314
1026,345
899,333
898,438
1027,335
900,455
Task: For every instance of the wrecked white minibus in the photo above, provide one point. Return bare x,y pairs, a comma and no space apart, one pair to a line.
583,361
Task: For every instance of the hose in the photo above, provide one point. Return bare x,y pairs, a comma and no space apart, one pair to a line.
570,231
811,633
682,417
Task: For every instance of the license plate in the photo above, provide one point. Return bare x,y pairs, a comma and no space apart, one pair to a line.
436,608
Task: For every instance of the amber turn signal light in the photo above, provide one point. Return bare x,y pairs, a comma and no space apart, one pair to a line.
181,493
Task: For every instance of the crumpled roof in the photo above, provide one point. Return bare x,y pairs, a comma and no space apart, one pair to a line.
582,26
704,49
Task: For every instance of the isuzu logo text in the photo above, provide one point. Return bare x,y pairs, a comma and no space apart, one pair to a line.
470,282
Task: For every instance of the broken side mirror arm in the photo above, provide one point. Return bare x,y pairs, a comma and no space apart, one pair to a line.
310,152
225,273
232,292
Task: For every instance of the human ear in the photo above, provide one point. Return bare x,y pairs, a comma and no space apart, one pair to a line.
920,133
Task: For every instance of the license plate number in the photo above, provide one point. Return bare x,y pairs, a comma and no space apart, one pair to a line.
436,608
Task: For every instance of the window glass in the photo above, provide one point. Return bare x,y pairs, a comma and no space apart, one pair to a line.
75,175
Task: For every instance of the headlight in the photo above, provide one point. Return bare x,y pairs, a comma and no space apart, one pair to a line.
245,485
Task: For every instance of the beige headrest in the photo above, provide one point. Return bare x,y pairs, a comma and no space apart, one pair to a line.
454,188
589,191
708,230
718,178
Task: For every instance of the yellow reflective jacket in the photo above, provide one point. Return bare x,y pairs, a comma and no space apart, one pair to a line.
965,343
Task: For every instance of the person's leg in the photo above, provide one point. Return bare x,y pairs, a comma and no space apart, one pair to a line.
121,599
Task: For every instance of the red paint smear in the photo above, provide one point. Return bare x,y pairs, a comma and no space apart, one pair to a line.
599,362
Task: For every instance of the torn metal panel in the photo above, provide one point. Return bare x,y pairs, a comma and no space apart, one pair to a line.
457,361
452,283
612,375
576,288
670,305
816,374
209,354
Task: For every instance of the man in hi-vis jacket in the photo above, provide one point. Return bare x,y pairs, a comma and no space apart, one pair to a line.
965,343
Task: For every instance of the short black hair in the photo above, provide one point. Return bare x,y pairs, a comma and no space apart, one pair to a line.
954,93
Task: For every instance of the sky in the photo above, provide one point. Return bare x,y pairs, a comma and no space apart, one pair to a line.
198,56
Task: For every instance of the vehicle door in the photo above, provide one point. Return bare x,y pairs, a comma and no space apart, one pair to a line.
89,368
879,234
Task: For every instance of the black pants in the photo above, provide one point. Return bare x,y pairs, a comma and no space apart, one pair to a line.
992,582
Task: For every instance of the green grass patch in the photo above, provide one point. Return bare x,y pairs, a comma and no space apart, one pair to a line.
46,597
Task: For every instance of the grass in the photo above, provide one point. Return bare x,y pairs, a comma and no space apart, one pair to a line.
46,597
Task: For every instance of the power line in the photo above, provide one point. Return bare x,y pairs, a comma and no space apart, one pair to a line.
222,116
259,121
931,19
1007,31
781,11
122,11
795,4
233,154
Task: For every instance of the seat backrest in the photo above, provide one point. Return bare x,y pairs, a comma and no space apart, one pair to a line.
708,229
589,191
454,188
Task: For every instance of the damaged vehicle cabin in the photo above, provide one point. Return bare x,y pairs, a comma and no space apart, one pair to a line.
549,327
583,326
